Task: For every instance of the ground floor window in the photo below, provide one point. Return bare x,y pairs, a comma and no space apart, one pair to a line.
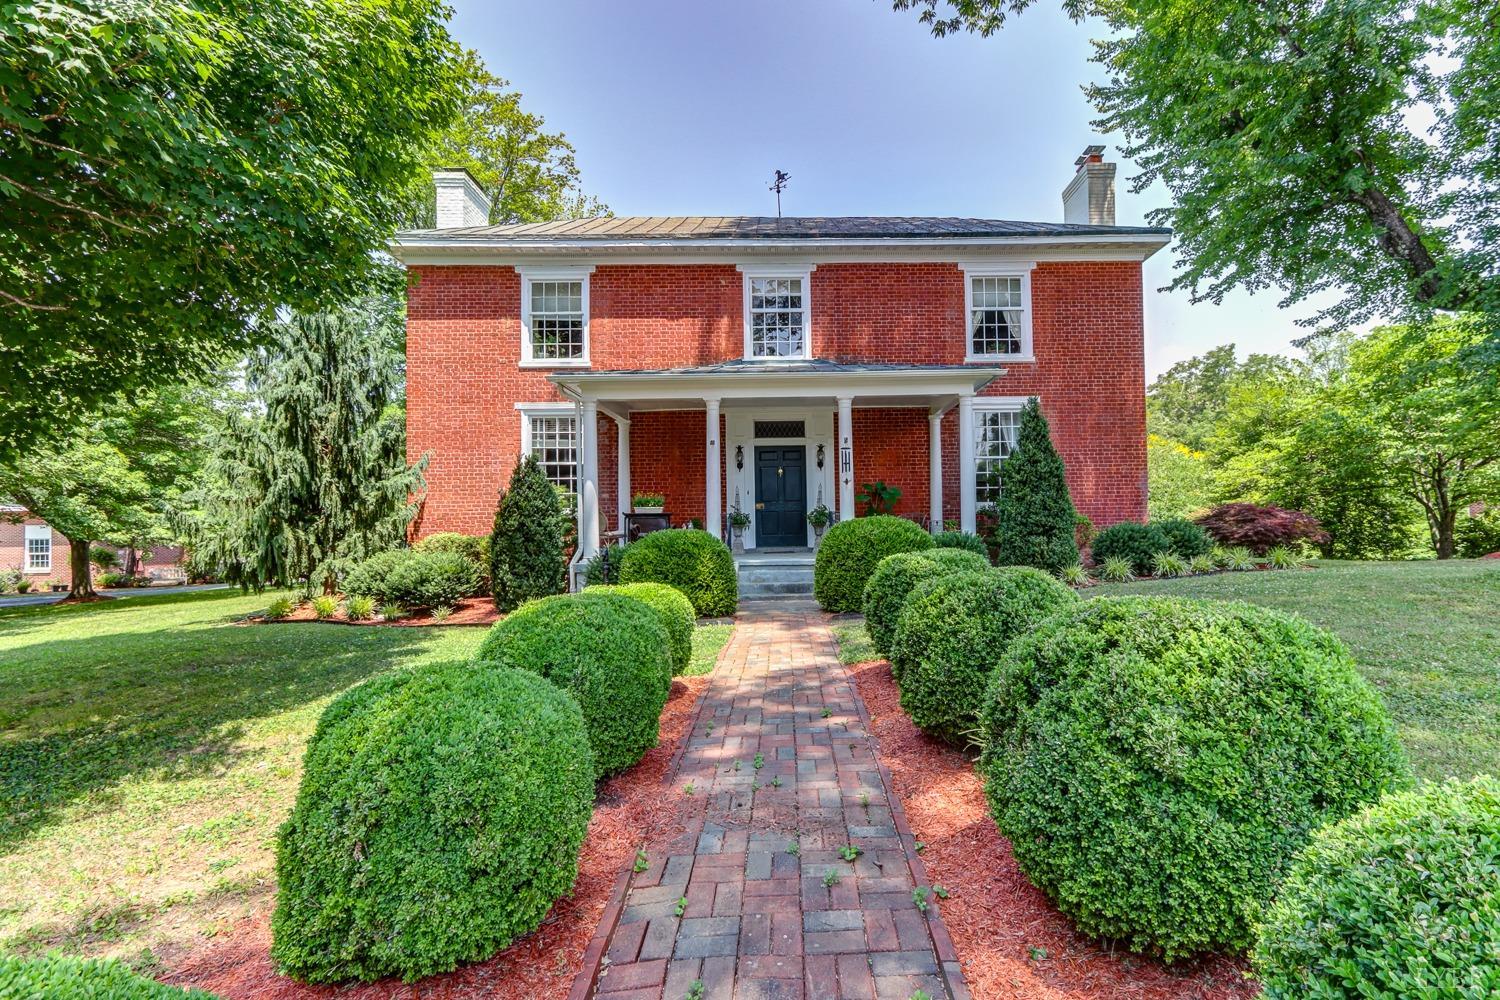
995,429
551,434
38,548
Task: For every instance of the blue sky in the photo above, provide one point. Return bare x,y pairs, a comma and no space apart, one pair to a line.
685,108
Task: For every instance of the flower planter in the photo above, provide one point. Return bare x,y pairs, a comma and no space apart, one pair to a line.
648,510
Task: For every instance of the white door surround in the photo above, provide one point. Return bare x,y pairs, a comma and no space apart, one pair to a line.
740,439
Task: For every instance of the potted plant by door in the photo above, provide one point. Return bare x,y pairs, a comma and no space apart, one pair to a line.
738,522
648,503
819,517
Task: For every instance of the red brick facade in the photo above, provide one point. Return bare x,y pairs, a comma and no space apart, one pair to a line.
464,380
13,552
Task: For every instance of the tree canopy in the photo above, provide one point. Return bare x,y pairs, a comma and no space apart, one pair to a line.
174,172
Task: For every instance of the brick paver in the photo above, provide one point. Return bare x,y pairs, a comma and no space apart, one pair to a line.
757,900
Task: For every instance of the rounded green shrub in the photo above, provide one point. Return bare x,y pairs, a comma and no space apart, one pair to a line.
674,610
1401,900
367,578
888,589
57,977
440,816
693,561
474,548
1184,537
957,560
1135,543
608,651
1157,763
414,578
953,634
961,540
851,550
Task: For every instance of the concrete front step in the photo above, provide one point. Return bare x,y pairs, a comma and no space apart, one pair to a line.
787,574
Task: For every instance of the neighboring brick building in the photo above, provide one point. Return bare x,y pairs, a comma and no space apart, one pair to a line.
30,545
806,356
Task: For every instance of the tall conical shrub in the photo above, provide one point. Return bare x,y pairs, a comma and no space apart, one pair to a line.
526,547
1036,513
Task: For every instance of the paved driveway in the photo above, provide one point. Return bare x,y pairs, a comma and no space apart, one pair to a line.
22,600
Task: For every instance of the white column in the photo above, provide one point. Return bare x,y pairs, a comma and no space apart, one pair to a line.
966,463
588,474
622,467
713,518
846,458
935,469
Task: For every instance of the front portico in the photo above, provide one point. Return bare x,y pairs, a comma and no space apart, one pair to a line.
758,418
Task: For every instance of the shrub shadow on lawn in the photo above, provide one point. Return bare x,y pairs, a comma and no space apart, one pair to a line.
82,714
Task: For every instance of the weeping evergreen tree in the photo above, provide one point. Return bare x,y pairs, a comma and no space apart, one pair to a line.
310,474
1036,515
526,547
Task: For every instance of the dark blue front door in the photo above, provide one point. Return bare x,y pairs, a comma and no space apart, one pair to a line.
780,494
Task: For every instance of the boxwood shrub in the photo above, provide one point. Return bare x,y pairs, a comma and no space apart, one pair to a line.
673,609
956,631
1184,537
474,548
608,651
1135,543
887,590
693,561
56,977
439,817
961,540
1157,763
414,579
851,550
1401,900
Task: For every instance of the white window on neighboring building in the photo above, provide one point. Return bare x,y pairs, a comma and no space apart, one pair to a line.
555,317
550,432
998,306
38,548
995,430
777,314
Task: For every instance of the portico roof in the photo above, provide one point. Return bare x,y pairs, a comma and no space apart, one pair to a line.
767,382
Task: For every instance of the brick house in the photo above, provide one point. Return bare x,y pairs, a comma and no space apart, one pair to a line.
31,546
770,365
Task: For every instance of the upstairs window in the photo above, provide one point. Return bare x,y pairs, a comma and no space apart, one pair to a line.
776,314
38,548
995,433
999,314
555,318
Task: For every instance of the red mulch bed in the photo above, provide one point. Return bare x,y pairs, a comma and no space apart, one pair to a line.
469,611
639,805
994,915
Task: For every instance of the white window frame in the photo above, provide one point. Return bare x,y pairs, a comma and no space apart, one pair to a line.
531,411
991,404
996,269
572,273
799,272
36,532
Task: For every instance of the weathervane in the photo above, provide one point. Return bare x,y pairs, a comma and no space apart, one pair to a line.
779,185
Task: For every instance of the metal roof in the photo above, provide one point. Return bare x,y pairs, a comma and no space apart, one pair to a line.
755,227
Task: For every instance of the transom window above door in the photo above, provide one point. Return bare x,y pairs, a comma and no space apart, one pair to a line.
998,305
555,317
776,314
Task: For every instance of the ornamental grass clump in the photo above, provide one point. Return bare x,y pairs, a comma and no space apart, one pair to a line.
1158,763
440,816
1168,564
1401,900
952,632
851,550
1116,569
673,609
608,651
695,562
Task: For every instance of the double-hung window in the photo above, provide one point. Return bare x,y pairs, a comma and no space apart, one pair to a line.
998,309
38,548
555,317
549,431
995,428
777,313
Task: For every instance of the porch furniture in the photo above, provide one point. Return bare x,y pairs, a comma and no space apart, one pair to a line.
637,525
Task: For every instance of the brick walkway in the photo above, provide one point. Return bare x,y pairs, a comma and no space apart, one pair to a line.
756,900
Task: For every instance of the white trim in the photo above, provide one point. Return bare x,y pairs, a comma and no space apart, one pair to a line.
997,269
985,404
797,271
713,456
817,427
35,532
529,274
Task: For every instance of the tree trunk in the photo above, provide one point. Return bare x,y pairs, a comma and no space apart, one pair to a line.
1447,518
78,560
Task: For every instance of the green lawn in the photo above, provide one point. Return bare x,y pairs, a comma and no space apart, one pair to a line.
150,748
1426,634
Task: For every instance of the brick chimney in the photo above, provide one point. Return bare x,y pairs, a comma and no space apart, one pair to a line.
461,202
1089,198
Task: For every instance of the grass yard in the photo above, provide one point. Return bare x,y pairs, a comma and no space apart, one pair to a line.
1426,634
149,749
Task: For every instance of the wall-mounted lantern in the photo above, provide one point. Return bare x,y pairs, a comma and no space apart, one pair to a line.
739,456
820,456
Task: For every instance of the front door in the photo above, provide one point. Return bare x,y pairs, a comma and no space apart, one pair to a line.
780,496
